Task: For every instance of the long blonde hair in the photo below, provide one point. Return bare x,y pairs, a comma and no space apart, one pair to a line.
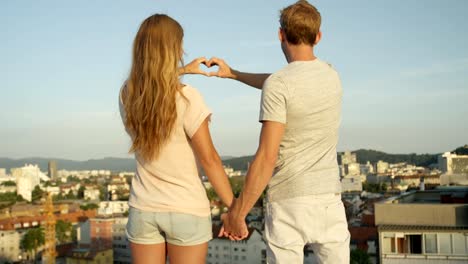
149,97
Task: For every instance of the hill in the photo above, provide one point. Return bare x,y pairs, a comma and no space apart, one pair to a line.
364,155
113,164
239,163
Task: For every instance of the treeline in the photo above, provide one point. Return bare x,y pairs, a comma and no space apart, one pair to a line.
373,156
364,155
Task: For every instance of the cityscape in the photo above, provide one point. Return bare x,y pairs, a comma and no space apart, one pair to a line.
397,212
66,157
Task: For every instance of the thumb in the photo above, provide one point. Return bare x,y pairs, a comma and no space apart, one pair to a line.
221,232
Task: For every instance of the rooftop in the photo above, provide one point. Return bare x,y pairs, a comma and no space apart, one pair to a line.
441,195
441,207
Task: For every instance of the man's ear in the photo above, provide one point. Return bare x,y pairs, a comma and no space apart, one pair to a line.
281,35
318,37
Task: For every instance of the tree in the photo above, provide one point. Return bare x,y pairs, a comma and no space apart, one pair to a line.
90,206
359,256
73,179
81,192
37,193
19,198
210,192
9,183
63,231
34,238
103,193
236,184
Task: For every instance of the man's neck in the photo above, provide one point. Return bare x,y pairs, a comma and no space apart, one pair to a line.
300,53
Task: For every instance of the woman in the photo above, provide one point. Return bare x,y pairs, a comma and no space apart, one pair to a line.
168,124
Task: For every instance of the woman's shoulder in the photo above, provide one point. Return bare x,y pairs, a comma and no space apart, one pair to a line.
191,93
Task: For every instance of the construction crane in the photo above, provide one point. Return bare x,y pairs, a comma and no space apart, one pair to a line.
49,250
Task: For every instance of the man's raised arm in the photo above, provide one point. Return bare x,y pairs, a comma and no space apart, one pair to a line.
255,80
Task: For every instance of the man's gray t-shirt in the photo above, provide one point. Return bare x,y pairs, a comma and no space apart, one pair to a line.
306,97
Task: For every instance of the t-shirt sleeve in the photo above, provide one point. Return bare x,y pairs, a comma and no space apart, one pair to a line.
273,105
196,112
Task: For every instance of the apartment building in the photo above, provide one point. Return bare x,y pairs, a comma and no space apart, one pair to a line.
424,227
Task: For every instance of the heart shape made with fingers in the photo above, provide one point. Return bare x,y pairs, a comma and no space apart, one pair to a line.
208,64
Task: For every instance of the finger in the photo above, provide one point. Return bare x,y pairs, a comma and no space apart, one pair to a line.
214,61
203,73
221,232
201,60
213,74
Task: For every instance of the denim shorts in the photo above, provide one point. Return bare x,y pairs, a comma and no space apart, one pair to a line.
174,228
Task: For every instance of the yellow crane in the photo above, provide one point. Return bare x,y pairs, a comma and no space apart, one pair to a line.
49,250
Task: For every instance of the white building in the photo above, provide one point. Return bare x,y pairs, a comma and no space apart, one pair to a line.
424,227
351,183
367,168
248,251
120,244
118,186
230,172
352,169
382,167
126,174
9,246
91,194
3,173
113,207
7,189
54,190
27,178
454,168
347,158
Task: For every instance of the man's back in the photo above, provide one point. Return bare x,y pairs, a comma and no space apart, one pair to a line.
306,96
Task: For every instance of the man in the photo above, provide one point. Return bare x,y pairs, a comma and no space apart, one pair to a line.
300,115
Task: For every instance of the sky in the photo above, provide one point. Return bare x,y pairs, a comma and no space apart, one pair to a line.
403,67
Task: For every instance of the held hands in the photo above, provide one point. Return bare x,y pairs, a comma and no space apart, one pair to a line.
234,226
224,71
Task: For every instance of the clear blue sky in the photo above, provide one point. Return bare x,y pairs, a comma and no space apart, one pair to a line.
403,64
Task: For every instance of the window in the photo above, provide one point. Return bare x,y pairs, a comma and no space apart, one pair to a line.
430,243
445,243
244,258
459,244
388,243
415,243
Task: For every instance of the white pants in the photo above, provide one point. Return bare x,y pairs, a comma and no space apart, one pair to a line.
318,220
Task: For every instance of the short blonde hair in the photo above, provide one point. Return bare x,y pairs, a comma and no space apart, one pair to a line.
300,23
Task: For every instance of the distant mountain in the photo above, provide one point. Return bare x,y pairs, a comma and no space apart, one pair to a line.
238,163
113,164
373,156
461,150
227,157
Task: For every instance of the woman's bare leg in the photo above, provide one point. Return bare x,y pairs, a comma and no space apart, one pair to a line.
148,254
187,254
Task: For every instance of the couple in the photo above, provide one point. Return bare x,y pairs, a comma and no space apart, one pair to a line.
168,123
